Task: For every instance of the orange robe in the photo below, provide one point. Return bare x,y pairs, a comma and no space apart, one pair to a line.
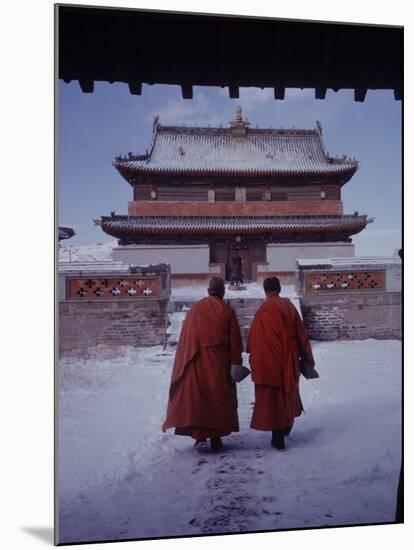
277,339
202,398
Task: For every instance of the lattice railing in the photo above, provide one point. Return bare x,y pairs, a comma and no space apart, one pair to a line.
112,288
344,281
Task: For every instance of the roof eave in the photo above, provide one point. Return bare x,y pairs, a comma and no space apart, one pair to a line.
125,171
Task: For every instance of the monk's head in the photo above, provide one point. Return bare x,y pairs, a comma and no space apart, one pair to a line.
271,286
216,287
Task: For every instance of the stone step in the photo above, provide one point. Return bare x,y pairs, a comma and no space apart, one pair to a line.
242,306
245,322
244,331
245,312
238,303
245,318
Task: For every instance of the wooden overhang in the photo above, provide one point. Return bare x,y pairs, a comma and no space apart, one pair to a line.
186,49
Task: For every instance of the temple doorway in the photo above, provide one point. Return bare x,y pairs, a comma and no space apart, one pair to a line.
244,255
238,260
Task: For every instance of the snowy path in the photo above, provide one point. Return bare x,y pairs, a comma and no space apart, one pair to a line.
121,477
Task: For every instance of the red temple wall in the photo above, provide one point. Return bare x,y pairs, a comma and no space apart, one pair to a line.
186,208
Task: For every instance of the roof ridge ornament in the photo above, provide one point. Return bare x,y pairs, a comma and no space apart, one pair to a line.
239,124
319,127
239,117
239,120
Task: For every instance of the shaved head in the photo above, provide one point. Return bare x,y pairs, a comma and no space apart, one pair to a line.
216,287
271,284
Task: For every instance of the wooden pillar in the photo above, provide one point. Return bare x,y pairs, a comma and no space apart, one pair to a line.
240,194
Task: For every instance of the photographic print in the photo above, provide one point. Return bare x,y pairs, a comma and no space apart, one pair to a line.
229,267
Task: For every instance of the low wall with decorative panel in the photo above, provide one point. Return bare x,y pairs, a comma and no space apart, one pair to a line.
345,299
125,306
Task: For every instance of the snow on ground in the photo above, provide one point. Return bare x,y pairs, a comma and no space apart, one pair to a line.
253,290
121,477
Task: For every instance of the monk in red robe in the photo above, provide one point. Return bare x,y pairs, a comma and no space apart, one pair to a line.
277,341
202,398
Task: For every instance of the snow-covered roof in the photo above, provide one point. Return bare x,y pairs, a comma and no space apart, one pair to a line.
352,261
65,232
104,267
226,151
92,267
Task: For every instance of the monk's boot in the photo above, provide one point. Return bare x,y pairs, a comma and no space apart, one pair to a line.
216,443
201,445
287,431
278,440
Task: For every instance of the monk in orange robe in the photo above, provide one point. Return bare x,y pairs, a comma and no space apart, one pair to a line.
202,397
277,342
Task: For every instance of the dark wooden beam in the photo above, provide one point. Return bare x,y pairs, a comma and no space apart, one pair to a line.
135,88
187,91
398,94
86,86
279,92
359,94
234,92
101,44
320,93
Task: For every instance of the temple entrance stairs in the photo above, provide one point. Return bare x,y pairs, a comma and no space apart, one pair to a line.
245,308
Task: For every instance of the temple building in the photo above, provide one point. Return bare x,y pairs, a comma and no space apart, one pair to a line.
205,197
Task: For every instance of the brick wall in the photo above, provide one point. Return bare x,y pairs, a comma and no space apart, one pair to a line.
136,323
122,305
351,298
186,208
356,317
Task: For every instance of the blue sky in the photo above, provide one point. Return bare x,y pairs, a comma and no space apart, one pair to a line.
94,128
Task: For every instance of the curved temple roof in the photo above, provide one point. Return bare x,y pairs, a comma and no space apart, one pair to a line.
65,232
236,150
117,225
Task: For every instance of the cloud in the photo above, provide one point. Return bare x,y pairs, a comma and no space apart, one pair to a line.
257,99
259,95
256,95
177,112
298,93
254,98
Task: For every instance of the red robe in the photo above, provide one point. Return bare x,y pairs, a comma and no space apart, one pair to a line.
202,399
277,339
